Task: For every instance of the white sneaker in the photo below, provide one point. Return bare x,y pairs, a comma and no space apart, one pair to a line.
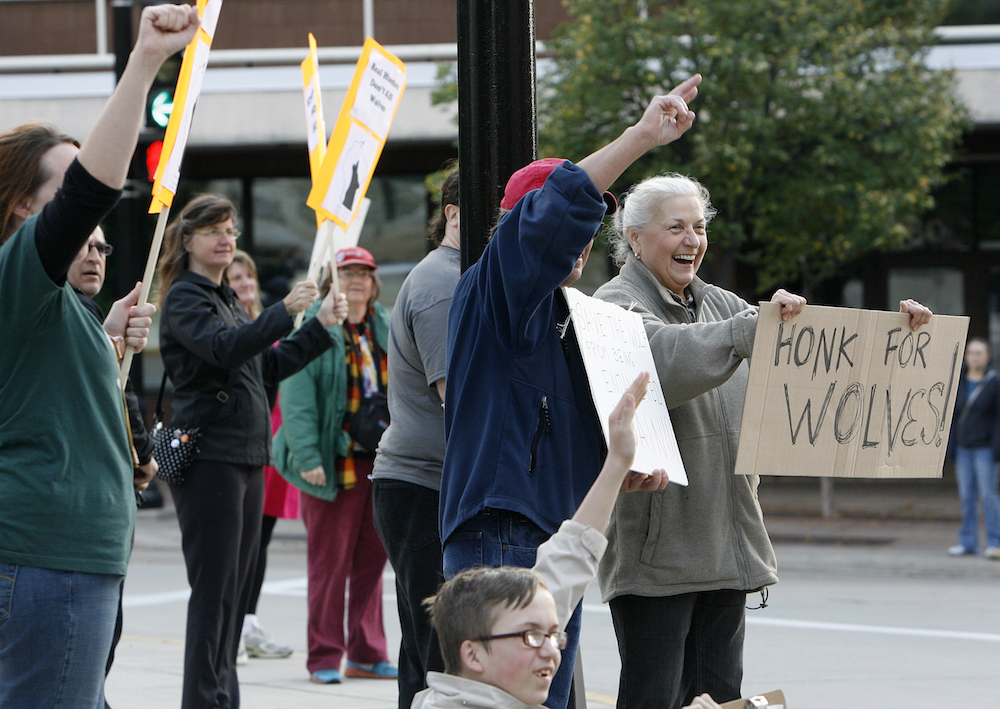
241,653
258,644
992,553
960,550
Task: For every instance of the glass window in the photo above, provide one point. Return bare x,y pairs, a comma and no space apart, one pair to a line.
284,230
940,289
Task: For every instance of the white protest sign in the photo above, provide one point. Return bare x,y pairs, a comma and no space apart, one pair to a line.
841,392
615,351
378,94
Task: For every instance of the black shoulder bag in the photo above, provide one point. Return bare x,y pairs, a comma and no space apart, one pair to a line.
174,448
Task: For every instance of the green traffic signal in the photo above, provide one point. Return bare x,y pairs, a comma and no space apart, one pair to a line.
161,107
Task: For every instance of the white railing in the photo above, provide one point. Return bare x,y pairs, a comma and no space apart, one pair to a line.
237,57
963,34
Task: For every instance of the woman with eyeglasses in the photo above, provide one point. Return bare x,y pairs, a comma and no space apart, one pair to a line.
316,450
220,362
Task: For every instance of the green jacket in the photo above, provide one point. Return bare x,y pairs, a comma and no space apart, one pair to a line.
313,404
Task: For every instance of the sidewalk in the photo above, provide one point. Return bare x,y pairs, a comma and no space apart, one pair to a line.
882,526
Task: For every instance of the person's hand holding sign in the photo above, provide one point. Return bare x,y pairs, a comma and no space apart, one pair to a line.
919,314
791,304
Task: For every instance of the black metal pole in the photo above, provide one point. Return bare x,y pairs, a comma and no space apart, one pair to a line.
496,109
130,255
121,24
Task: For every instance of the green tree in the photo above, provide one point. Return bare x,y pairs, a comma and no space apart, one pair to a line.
820,133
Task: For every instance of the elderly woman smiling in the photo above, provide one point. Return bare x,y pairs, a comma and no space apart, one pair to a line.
681,561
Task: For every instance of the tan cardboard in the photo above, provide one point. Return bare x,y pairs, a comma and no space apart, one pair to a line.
772,700
841,392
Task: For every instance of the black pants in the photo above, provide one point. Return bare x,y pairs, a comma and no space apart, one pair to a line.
674,648
266,529
219,508
406,519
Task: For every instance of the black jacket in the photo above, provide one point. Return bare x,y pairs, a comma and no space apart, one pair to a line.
140,436
977,422
206,336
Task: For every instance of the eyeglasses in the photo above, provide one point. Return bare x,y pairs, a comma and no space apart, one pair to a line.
354,273
102,248
217,233
534,638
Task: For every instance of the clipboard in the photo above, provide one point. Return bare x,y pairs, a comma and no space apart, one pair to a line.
774,700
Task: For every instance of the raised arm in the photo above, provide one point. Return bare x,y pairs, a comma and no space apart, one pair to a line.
665,120
107,151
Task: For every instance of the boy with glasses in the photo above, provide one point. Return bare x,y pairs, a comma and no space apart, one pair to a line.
501,629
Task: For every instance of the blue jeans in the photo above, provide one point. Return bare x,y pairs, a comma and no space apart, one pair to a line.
977,480
501,538
55,635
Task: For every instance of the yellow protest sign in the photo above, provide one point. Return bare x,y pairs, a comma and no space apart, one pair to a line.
315,126
359,135
186,94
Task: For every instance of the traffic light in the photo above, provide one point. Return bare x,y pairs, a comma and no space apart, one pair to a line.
153,153
160,99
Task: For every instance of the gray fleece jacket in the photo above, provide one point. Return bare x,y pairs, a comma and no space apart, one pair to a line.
709,535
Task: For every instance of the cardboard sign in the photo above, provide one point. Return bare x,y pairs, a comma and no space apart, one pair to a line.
615,351
769,700
168,172
839,392
359,135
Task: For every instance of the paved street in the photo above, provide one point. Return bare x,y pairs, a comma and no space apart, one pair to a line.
868,613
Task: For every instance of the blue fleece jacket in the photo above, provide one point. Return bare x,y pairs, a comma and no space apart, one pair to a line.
522,431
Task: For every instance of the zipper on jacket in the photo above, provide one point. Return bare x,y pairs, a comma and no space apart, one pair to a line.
542,427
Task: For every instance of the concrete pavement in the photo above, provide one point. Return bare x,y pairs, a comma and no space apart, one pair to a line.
891,527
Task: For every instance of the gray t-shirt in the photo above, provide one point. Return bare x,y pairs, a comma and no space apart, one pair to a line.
412,448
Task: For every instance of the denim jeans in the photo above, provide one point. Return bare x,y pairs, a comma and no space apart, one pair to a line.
502,538
55,635
977,480
406,522
694,641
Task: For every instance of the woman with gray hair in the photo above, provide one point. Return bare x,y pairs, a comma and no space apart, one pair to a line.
678,596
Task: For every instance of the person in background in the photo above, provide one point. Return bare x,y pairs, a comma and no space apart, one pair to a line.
281,500
314,451
221,364
682,560
524,442
407,474
975,447
66,464
86,277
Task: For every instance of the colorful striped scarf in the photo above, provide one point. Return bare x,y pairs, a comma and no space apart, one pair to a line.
365,361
